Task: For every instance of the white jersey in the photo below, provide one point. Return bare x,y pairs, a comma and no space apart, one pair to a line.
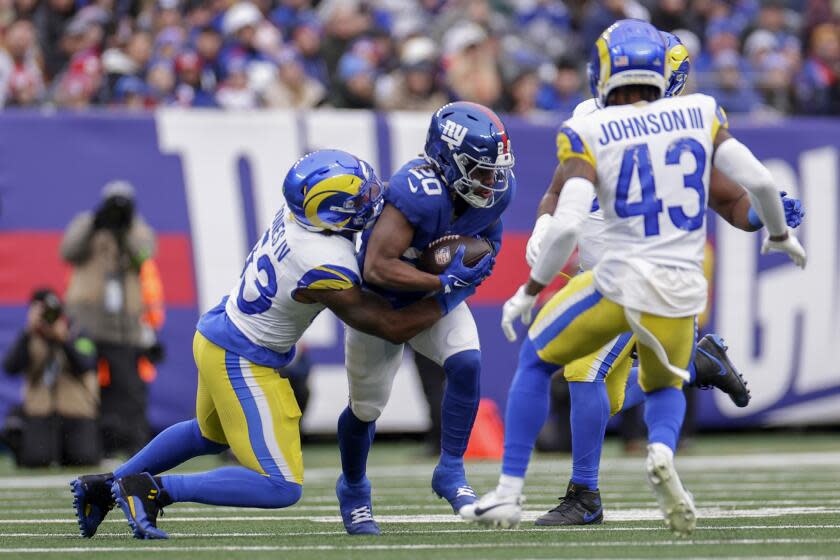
262,307
653,162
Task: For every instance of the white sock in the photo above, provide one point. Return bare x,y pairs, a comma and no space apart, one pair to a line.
510,485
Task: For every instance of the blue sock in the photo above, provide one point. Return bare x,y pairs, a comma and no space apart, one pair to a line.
354,440
176,444
664,414
232,486
459,406
633,394
527,409
589,417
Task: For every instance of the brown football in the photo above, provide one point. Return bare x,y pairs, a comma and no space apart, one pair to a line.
439,253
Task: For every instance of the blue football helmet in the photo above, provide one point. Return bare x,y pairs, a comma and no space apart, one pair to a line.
334,191
469,146
629,52
679,62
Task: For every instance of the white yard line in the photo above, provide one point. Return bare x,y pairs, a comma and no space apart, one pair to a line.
630,514
469,530
298,508
423,546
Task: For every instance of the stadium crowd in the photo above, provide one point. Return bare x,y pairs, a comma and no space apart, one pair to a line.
522,57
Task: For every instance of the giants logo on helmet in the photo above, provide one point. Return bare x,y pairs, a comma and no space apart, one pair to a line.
453,134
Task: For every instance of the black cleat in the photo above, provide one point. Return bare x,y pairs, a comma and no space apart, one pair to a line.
141,500
92,501
580,506
714,369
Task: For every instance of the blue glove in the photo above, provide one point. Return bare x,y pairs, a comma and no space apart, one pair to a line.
458,275
794,213
451,300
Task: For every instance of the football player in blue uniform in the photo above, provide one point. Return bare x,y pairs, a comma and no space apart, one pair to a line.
604,383
460,186
304,263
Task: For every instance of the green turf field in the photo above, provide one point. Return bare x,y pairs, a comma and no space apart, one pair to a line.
769,496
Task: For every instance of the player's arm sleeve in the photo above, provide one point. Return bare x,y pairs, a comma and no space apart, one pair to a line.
329,277
564,229
493,234
571,144
739,164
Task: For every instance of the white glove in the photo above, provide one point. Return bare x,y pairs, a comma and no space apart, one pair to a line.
532,250
790,246
519,306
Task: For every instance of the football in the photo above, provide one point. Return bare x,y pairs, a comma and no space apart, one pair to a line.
439,253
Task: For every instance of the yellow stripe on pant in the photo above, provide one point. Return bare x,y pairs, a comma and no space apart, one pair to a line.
610,363
250,408
579,321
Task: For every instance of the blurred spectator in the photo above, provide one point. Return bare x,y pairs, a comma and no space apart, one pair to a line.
107,248
522,93
208,46
355,84
730,88
61,394
816,87
563,93
190,90
131,93
414,85
471,71
21,82
600,14
546,24
293,89
674,14
50,19
160,80
306,38
129,60
344,21
234,93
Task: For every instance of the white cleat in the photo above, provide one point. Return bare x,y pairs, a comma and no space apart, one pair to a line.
494,510
674,500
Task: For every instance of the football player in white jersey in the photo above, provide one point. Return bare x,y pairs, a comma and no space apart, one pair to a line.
304,263
648,160
605,383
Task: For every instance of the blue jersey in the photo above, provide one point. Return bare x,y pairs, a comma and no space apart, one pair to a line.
419,192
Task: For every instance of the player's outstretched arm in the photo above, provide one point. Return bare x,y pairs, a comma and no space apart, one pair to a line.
390,238
561,237
548,203
738,162
371,314
732,203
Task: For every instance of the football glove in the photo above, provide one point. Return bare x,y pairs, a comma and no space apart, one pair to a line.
532,249
519,306
459,275
790,246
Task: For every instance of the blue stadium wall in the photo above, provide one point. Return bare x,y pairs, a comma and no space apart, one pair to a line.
209,182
